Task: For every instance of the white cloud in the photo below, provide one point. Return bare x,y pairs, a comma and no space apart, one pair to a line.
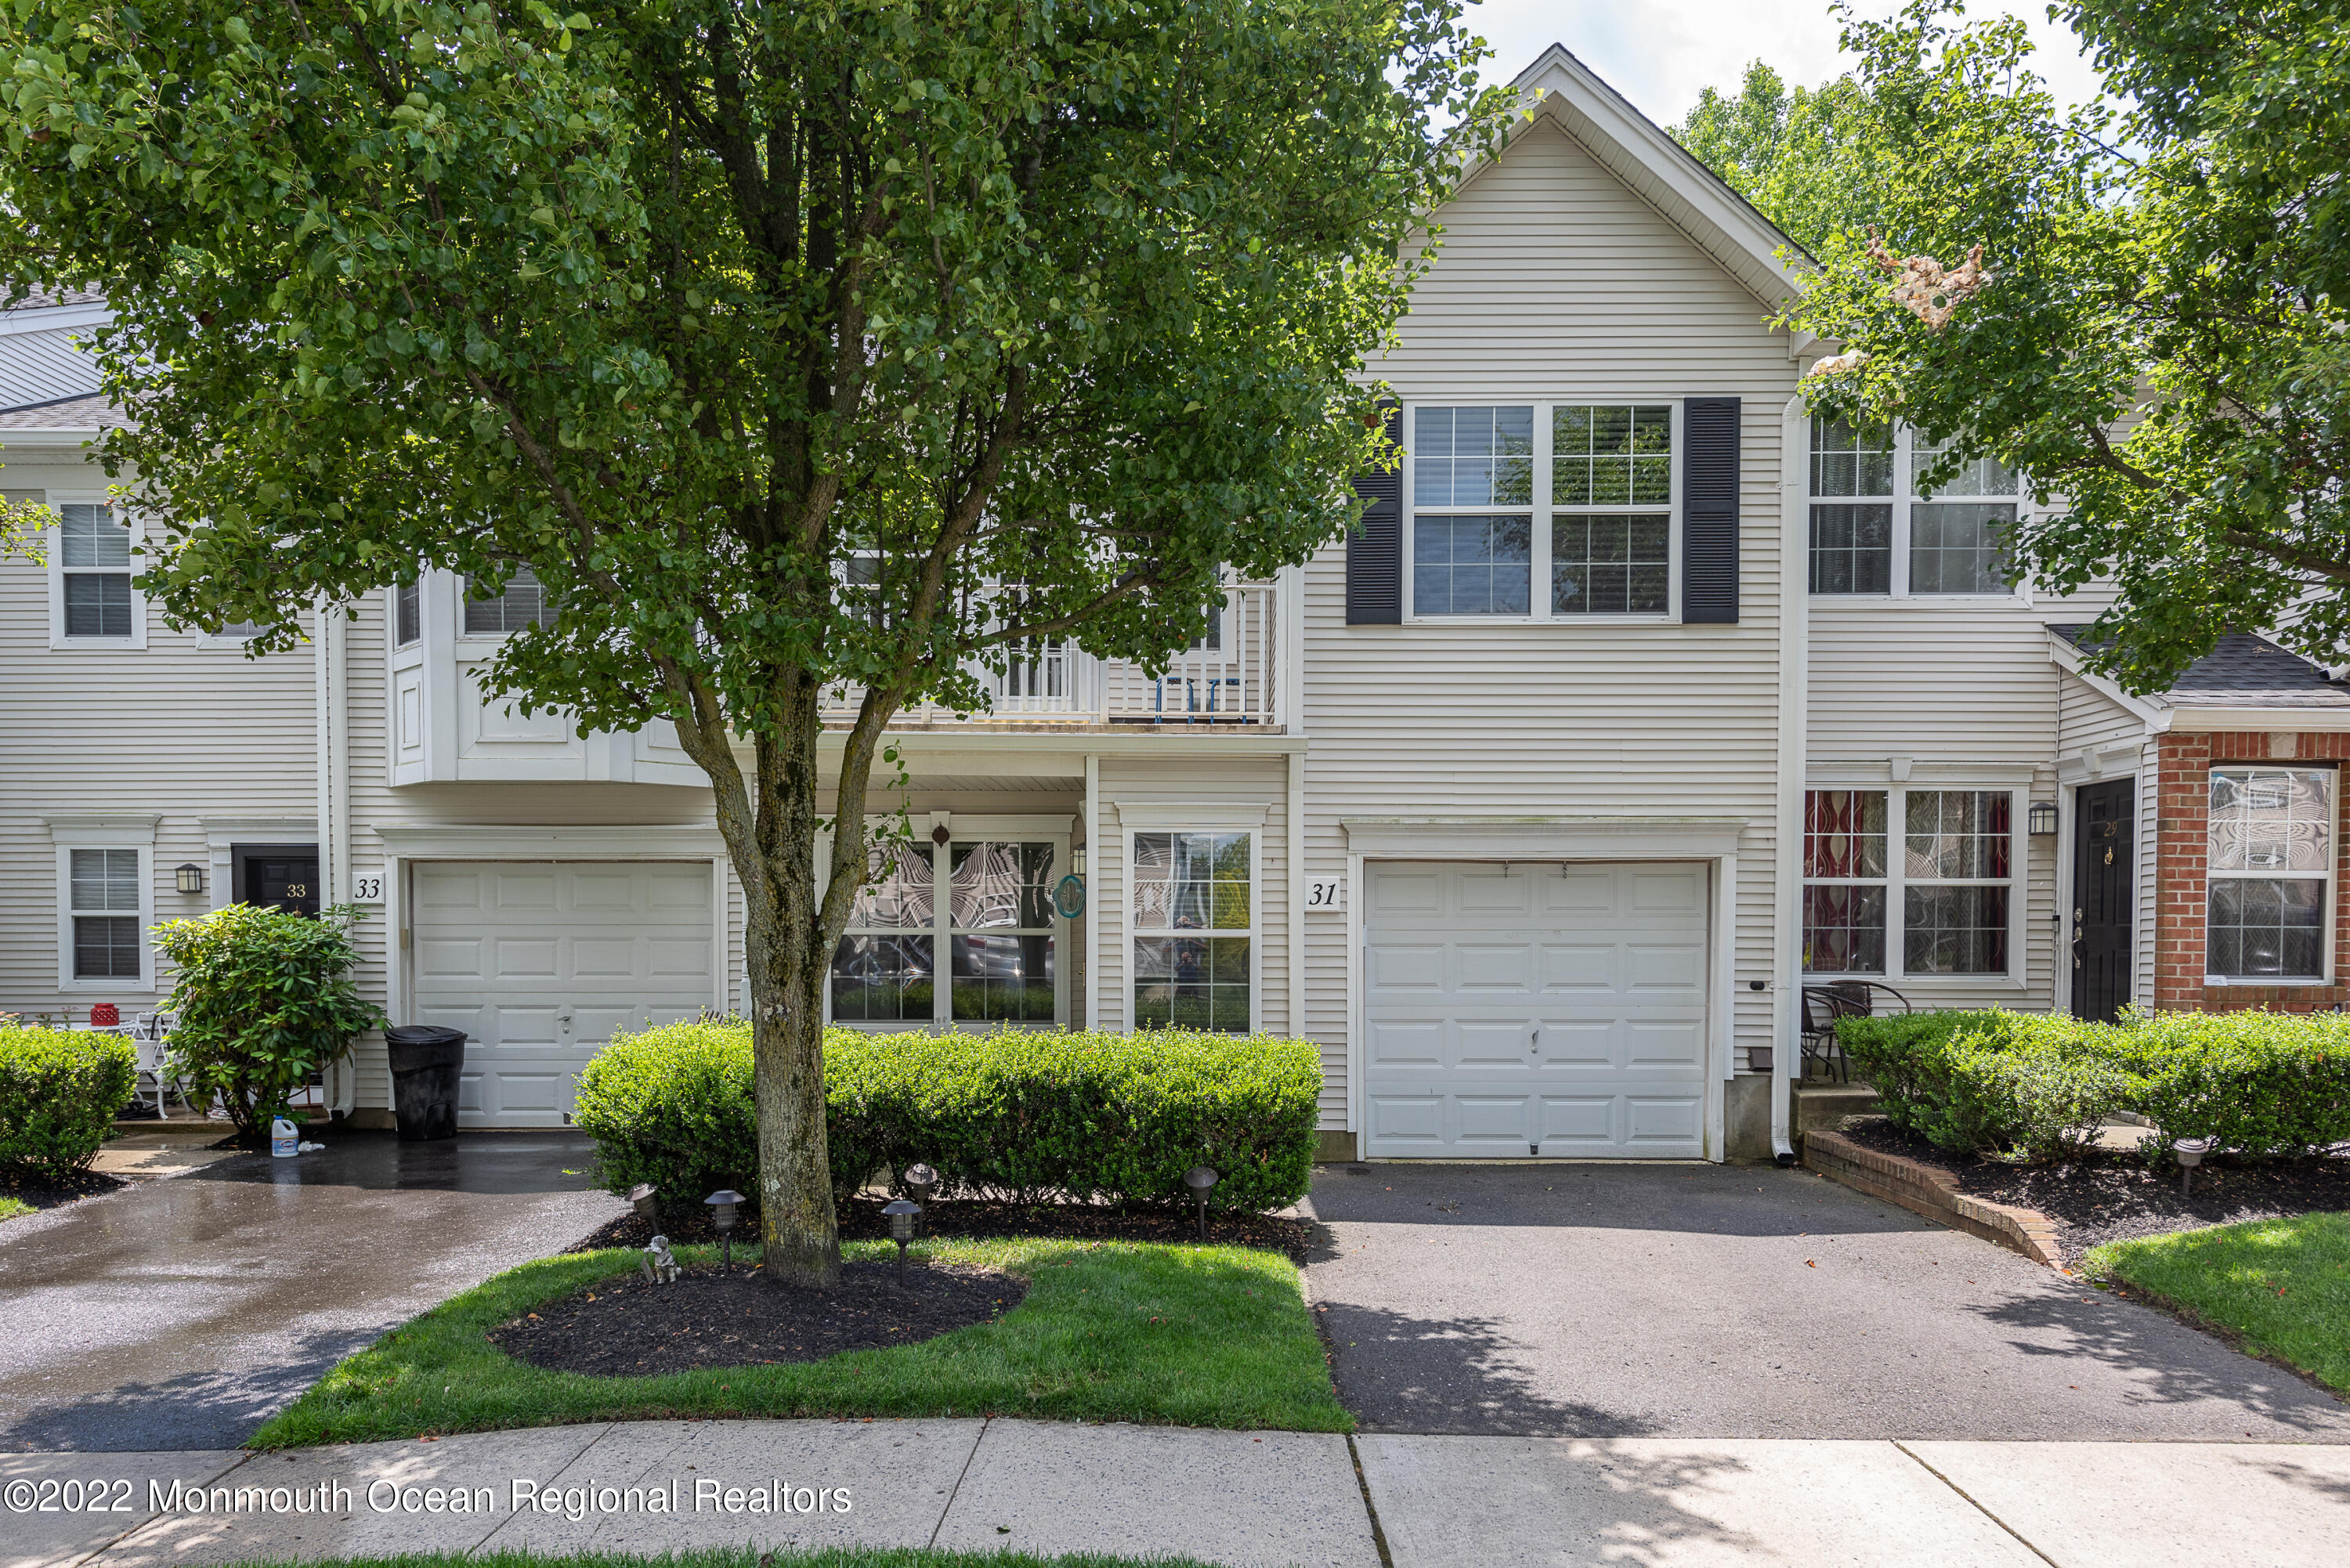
1660,53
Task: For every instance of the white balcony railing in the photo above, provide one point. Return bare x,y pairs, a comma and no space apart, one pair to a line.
1230,677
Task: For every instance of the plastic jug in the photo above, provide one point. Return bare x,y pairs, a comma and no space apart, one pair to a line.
283,1140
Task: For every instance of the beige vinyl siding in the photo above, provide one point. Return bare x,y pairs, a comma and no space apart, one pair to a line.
1555,281
172,731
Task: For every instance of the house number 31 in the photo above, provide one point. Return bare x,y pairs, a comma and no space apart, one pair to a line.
1324,893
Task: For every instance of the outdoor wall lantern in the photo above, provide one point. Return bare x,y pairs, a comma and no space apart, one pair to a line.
723,1212
902,1215
921,1181
642,1199
2190,1152
1201,1180
2041,819
188,877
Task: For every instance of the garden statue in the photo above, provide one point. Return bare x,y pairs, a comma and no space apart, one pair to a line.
661,1267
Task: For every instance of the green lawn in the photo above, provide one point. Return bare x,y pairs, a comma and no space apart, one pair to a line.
12,1207
1189,1336
2284,1284
781,1557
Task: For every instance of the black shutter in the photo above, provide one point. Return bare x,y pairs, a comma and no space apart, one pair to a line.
1710,511
1374,546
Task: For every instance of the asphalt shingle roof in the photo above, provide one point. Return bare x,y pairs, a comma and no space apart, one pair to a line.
2244,671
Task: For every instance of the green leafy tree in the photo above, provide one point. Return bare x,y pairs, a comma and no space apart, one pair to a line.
2157,339
1805,157
263,999
838,347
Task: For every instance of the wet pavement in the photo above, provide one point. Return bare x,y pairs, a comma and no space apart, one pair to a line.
1731,1302
181,1313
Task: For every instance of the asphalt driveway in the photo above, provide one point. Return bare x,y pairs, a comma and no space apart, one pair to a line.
181,1313
1733,1302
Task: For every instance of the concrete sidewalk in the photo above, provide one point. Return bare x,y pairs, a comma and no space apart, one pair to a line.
1243,1499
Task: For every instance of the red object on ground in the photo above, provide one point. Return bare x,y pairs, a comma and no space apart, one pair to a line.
104,1015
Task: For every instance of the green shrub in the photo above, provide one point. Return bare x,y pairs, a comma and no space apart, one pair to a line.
1013,1113
2022,1085
59,1091
264,998
2265,1085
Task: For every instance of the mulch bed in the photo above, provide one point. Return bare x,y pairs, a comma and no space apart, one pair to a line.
709,1319
862,1219
42,1192
2114,1196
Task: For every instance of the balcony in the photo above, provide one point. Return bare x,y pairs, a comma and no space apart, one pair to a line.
1233,677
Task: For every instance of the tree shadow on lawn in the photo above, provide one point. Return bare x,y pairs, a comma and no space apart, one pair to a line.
1403,1374
216,1409
2172,1362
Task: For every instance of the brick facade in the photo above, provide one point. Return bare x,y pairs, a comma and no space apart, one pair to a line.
2181,839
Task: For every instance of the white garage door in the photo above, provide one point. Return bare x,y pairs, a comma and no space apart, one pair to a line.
539,963
1528,1011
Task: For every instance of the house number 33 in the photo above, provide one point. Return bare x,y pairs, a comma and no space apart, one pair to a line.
367,888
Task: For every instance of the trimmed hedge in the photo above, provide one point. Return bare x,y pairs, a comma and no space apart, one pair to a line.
1015,1114
59,1091
2035,1085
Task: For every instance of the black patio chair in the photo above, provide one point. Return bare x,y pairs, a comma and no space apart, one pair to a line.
1823,1005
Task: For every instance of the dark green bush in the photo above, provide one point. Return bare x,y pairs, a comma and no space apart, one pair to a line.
59,1091
1015,1114
2025,1086
2034,1086
2265,1085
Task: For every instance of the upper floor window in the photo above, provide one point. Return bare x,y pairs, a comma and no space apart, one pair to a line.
1585,489
2270,869
1875,530
94,567
407,613
523,604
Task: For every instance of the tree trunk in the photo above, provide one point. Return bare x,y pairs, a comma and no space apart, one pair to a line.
796,1222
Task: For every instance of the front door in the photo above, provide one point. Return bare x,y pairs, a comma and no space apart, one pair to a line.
2102,899
285,875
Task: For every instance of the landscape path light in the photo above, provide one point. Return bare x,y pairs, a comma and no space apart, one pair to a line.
2190,1152
642,1197
919,1181
1201,1180
725,1210
902,1215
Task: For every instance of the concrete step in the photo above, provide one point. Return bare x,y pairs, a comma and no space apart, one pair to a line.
1820,1107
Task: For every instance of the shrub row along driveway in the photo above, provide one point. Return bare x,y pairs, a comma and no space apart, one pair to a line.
180,1313
1728,1302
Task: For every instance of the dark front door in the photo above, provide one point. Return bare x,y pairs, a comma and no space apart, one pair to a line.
2102,900
285,875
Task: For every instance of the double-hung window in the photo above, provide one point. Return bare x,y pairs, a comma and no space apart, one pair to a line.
407,613
1939,862
2271,873
1194,948
1875,529
95,599
1552,510
523,602
104,906
996,926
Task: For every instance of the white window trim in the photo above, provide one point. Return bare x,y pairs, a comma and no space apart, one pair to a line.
1032,829
1896,882
71,833
1901,500
1139,818
1538,583
2329,910
53,549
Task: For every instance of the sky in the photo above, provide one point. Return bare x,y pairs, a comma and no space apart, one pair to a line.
1660,53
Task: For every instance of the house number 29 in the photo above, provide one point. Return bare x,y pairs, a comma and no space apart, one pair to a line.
367,888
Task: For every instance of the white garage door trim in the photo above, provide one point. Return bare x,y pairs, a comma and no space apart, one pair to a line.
1710,841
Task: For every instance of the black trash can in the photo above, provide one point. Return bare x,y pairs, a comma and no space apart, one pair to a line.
425,1062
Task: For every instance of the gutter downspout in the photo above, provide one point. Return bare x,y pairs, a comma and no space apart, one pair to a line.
1794,713
335,858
